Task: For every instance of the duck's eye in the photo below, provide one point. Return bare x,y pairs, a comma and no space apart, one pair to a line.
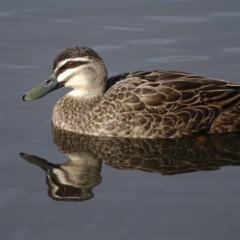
48,82
71,64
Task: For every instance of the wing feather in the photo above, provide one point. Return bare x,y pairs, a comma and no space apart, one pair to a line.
178,101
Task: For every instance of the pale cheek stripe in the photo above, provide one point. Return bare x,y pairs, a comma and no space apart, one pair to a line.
64,75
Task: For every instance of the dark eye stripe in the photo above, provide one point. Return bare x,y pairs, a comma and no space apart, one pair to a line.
65,66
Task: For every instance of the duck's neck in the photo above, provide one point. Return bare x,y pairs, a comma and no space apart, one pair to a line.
74,108
85,95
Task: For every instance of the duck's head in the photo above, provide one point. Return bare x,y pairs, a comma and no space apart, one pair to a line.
76,67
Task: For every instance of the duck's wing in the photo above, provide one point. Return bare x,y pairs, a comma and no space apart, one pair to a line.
158,89
158,75
176,98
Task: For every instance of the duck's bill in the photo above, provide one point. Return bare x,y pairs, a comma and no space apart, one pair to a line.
44,88
41,162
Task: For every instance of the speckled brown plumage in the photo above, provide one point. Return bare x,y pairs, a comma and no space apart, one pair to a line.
154,104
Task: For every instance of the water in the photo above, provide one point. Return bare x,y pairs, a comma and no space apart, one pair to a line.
194,36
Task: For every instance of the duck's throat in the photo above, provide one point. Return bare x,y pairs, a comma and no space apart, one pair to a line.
72,112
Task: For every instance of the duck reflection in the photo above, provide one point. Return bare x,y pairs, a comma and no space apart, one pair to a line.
75,179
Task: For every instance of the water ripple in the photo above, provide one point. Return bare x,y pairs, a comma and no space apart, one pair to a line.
123,28
6,14
107,47
64,21
22,66
226,14
178,19
232,50
153,41
178,59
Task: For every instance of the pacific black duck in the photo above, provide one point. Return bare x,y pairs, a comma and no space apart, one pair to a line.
154,104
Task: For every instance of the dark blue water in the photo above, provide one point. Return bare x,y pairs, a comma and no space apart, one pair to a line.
196,36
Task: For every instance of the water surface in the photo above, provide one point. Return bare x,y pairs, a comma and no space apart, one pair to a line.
195,36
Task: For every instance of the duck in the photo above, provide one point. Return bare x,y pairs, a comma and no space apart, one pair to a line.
140,104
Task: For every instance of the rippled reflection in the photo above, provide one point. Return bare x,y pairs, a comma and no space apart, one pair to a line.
75,179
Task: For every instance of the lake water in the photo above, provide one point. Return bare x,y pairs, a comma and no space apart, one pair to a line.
153,202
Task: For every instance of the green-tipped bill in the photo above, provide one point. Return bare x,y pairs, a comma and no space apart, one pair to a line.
44,88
